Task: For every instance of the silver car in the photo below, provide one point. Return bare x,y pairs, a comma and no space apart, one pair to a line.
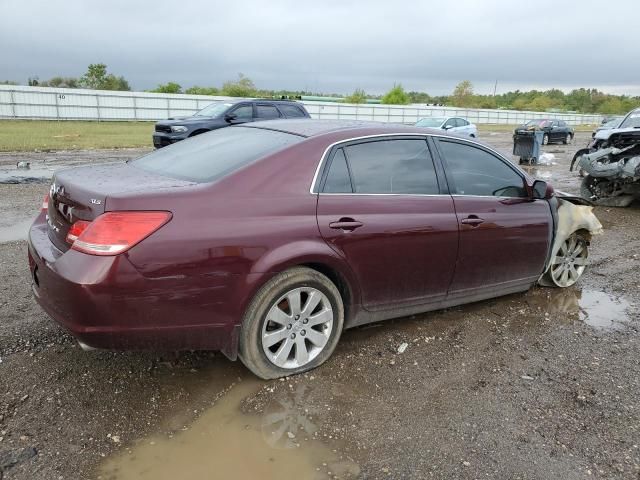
456,125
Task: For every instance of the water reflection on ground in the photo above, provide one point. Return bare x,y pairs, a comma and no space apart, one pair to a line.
597,309
226,443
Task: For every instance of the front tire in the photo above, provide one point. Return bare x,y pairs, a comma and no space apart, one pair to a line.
570,262
292,324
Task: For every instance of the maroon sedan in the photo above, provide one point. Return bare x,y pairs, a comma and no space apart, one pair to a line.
266,240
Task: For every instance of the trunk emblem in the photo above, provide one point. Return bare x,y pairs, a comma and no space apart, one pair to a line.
95,201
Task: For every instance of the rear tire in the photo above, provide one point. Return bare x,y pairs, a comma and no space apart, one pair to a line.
567,139
283,332
545,139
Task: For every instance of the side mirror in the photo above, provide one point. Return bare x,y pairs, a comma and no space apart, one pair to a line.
447,127
230,117
541,190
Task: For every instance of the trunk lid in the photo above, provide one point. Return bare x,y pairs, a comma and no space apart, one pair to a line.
82,193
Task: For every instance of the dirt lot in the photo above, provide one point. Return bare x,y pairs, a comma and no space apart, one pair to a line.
535,386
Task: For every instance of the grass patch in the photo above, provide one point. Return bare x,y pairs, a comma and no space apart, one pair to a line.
29,135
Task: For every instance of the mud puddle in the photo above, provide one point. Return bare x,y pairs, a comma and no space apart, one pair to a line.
597,309
225,442
604,311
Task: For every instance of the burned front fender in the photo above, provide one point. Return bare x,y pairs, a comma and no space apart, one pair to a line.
570,218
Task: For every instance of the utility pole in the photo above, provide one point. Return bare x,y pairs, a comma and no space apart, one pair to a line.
495,87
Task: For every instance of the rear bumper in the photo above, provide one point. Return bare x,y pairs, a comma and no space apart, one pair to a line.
106,302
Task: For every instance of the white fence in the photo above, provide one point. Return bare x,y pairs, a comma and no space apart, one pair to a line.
77,104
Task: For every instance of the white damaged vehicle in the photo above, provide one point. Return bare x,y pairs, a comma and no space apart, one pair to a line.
611,164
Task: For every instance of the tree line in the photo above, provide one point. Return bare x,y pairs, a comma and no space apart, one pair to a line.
581,100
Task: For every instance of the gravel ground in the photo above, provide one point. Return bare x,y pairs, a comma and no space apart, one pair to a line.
534,386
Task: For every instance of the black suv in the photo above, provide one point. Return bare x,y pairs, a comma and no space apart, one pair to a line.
222,114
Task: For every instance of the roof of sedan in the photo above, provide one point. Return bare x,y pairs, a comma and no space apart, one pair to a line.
312,128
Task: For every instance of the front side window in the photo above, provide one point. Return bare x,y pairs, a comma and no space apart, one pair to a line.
391,166
473,171
450,123
243,112
264,112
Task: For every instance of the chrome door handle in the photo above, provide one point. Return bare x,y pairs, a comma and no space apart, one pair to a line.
472,220
346,224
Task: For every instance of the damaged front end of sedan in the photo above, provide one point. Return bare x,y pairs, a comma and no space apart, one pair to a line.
575,224
611,167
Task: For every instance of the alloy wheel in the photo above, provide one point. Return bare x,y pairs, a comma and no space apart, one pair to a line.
297,327
570,261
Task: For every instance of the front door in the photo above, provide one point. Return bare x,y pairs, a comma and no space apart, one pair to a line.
380,208
504,234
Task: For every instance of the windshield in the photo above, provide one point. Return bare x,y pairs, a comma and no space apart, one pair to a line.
213,155
632,120
537,123
612,123
213,110
430,122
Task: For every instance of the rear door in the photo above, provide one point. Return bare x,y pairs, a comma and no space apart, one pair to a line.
557,133
381,207
504,234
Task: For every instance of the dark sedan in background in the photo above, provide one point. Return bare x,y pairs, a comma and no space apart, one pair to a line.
224,114
555,131
265,240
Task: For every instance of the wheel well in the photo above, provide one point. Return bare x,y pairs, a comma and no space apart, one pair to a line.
338,280
198,132
583,232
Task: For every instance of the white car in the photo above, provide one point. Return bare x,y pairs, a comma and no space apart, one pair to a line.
456,125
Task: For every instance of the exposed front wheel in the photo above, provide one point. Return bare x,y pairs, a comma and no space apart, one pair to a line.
292,324
569,263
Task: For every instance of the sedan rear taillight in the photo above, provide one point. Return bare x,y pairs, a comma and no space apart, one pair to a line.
45,203
76,230
114,232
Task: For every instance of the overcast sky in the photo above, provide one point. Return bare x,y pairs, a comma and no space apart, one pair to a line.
327,45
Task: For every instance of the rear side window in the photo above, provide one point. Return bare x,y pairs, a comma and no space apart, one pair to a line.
213,155
291,111
474,171
390,166
338,179
266,111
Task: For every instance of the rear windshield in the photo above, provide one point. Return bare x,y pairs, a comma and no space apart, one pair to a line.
213,155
